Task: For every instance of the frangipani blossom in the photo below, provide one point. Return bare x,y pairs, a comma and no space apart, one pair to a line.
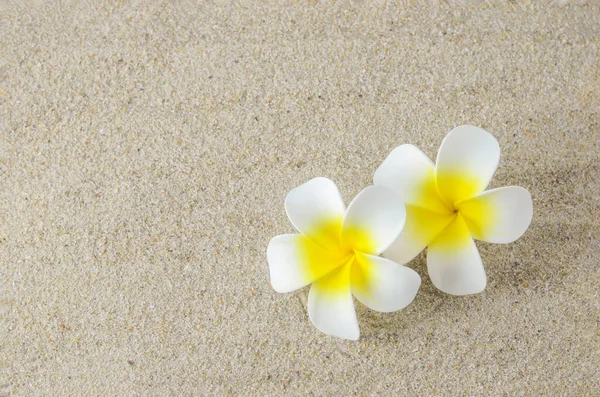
337,251
446,207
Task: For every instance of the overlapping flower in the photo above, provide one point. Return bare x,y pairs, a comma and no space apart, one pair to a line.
337,251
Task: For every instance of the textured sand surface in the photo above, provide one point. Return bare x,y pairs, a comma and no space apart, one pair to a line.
146,148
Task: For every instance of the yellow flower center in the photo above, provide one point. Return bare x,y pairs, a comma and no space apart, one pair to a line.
456,190
332,261
454,187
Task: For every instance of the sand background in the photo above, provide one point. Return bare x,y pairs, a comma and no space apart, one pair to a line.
146,148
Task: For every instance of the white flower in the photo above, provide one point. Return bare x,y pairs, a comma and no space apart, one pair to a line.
337,251
446,207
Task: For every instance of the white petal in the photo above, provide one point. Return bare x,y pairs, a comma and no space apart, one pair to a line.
454,263
316,209
330,305
421,227
374,219
411,175
295,261
383,285
499,215
466,162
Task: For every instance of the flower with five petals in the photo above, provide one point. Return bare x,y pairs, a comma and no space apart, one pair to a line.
446,207
337,251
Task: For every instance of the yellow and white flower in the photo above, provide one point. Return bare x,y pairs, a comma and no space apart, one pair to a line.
446,207
337,251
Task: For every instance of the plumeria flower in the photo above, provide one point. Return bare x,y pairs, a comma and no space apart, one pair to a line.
337,251
446,207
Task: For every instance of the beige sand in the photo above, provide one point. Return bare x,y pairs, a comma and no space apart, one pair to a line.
145,151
